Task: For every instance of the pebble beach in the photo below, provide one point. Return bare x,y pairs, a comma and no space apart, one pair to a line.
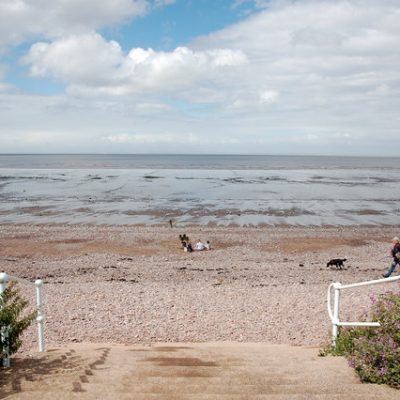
134,284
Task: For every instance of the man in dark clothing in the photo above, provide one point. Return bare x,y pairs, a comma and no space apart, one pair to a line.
395,253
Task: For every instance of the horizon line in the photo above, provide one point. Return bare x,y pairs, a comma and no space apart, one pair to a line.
200,154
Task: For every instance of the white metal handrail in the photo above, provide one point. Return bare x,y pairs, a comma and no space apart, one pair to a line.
334,315
4,279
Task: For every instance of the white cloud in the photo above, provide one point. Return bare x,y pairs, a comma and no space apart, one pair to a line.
25,19
178,68
2,71
162,3
91,65
4,86
86,59
189,139
268,96
332,66
301,76
141,138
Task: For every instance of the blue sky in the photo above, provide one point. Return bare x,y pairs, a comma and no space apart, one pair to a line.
178,24
222,76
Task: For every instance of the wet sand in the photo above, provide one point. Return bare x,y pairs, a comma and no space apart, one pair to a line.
134,284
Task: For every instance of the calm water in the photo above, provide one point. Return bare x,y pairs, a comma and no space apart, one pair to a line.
242,190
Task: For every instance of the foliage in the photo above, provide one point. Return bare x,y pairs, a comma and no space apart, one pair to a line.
374,352
12,320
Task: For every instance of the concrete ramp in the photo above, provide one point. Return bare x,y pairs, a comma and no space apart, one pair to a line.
206,371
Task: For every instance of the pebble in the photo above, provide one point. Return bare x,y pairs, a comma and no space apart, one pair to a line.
263,295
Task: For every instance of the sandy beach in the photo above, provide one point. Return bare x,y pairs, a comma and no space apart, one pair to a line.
134,284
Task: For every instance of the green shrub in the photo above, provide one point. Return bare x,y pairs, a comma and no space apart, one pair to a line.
374,352
12,319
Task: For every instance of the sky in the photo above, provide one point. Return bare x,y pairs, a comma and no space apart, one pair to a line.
310,77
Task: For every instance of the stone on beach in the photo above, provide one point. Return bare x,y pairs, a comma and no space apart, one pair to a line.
134,284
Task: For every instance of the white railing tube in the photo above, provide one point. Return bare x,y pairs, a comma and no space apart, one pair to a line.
328,300
40,316
377,324
334,316
375,282
336,305
4,278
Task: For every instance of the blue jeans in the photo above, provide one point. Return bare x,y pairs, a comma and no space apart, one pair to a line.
391,269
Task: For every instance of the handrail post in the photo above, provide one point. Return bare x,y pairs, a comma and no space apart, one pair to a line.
40,315
336,306
4,278
335,316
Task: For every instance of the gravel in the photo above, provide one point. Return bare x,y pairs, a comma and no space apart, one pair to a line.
134,284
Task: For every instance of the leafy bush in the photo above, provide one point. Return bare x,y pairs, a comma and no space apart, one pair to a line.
374,352
11,319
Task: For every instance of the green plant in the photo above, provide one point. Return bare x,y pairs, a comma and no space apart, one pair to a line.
374,352
12,320
344,343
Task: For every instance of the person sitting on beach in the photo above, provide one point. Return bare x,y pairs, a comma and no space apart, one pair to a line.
208,245
199,246
395,253
187,248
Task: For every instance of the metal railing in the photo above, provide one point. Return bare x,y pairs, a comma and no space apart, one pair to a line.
4,279
334,315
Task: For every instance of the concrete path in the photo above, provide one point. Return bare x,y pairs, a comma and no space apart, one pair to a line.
209,371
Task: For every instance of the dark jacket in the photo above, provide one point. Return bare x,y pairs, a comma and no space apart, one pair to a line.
396,251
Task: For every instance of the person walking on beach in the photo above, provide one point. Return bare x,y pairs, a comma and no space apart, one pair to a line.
395,253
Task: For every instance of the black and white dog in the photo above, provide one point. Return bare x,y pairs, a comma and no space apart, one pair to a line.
336,262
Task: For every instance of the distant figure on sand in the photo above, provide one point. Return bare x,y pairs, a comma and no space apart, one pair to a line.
208,245
187,247
199,246
395,253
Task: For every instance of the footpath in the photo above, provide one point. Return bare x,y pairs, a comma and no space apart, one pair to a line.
201,371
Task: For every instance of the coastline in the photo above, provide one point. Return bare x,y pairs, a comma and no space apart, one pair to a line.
285,190
133,284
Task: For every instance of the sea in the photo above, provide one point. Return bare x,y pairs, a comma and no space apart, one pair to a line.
226,190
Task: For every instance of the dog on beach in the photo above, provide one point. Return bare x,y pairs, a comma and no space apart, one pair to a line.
336,262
